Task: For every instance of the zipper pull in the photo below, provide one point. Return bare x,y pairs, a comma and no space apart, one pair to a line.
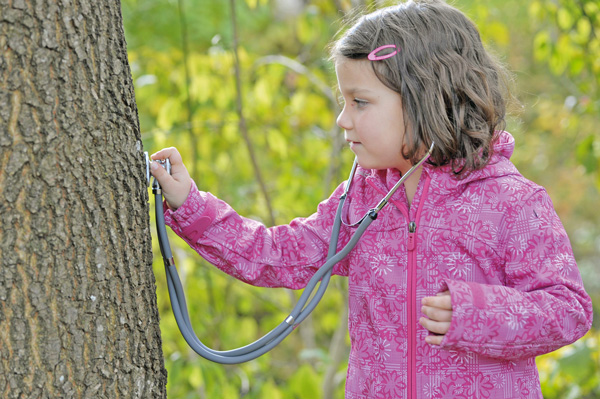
412,228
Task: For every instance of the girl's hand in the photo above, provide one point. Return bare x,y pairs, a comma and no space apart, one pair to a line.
438,310
175,186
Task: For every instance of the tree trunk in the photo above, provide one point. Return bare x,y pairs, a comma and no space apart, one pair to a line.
78,314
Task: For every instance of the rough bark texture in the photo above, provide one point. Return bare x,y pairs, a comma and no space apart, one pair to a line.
78,315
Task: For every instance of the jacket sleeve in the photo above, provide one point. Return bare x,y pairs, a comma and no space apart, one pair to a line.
541,307
280,256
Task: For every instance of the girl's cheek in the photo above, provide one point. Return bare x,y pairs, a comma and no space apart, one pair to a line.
363,119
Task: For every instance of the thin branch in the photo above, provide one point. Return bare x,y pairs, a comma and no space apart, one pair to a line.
188,100
302,70
338,5
337,349
337,145
242,122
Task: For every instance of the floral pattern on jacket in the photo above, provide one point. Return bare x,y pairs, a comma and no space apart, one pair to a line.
493,239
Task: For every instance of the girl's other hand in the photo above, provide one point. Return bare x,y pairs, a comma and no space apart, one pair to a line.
175,186
438,310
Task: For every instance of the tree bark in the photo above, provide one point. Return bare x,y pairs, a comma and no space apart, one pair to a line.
78,314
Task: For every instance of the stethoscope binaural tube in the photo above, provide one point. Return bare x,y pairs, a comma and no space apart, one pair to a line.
303,307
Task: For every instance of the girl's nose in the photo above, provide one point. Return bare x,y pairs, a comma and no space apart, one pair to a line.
343,120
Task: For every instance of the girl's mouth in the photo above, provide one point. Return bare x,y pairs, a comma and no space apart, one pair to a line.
353,144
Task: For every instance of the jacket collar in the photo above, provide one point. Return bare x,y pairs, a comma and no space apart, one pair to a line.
499,165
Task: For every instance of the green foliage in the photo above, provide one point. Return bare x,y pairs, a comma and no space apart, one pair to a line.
568,42
290,113
572,371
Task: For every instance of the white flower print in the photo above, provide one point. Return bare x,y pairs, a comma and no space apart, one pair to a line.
459,265
467,203
517,244
430,390
316,244
516,317
564,264
462,358
499,380
493,230
382,264
381,350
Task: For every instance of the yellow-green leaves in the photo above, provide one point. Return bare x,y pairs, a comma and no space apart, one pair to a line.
568,42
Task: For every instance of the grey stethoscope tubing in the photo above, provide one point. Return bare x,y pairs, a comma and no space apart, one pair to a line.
302,308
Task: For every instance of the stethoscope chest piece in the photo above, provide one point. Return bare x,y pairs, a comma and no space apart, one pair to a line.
147,158
165,163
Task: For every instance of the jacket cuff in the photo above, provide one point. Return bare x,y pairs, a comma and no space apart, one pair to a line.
193,217
468,327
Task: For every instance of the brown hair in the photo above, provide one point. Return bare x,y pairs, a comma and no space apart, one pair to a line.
453,91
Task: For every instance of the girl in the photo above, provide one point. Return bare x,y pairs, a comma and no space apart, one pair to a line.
468,274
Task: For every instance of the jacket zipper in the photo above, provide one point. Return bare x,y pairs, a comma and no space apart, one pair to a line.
411,297
411,291
411,246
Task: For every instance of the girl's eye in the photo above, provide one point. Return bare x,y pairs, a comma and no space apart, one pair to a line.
360,103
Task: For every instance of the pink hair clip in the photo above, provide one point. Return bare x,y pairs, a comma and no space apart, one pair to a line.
373,57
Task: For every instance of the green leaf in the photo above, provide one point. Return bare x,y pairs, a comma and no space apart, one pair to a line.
498,32
195,378
584,28
542,46
586,154
277,142
565,19
305,383
579,365
591,8
535,9
270,390
169,113
576,65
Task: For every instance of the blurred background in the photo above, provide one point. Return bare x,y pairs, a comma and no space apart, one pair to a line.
248,98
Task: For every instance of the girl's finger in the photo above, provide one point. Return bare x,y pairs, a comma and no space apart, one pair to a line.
436,327
443,301
172,153
434,339
437,314
164,179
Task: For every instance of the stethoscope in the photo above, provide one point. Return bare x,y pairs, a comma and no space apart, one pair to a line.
302,309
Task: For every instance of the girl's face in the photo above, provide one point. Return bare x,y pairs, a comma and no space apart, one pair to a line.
372,117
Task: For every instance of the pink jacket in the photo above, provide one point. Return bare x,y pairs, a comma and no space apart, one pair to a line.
493,239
